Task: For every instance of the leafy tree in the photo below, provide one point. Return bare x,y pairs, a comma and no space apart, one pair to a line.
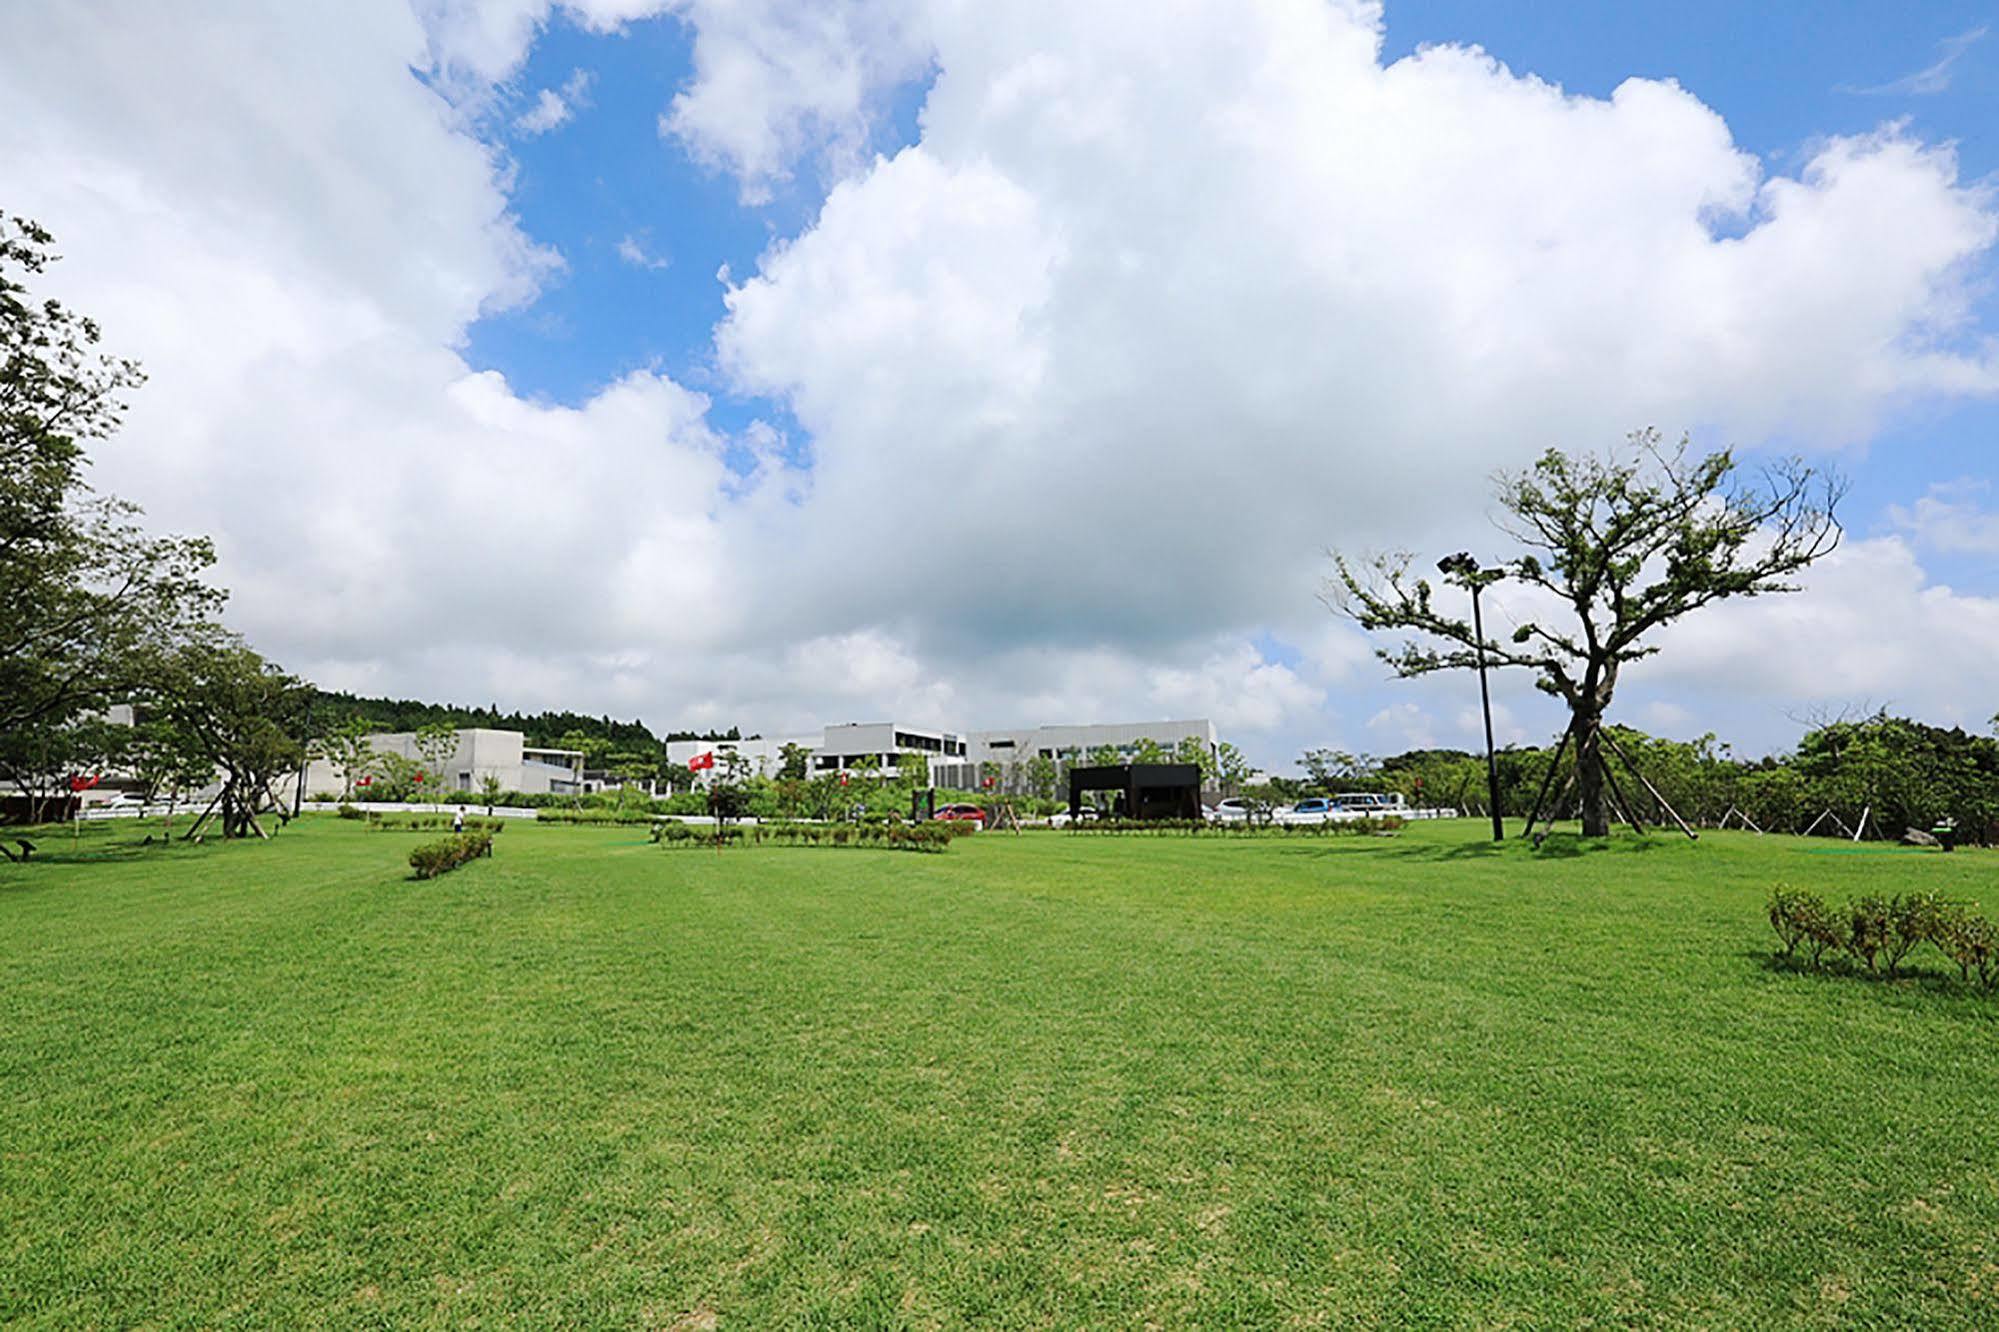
1148,750
1622,545
1192,749
346,747
1106,756
41,757
165,759
594,748
398,777
489,791
243,715
1044,776
1232,767
437,742
88,602
792,761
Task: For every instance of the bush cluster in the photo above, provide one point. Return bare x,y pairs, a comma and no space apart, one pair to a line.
612,817
1240,828
378,822
923,837
1879,933
347,811
435,858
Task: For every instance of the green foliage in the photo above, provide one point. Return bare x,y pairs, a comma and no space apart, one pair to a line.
792,761
1972,942
435,858
601,816
427,823
346,747
89,602
437,742
929,837
242,714
1878,934
1627,543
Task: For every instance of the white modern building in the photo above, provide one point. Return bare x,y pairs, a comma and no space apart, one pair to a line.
954,758
837,748
481,753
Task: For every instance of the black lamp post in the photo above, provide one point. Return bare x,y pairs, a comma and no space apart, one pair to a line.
1462,568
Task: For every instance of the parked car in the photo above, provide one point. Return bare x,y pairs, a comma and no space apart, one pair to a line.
1061,817
1316,809
1237,809
1370,802
966,813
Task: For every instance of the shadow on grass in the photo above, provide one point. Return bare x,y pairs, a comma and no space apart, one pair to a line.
1557,846
1843,972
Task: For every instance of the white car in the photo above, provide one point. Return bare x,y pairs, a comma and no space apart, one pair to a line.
1237,809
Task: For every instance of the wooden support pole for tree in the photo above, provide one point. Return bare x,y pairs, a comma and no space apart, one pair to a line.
1617,795
1618,750
1548,779
195,827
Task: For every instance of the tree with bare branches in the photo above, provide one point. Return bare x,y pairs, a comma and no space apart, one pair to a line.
1624,543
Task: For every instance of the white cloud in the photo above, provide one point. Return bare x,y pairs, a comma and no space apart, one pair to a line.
1932,78
632,249
1951,517
1164,302
1870,623
777,81
552,109
548,111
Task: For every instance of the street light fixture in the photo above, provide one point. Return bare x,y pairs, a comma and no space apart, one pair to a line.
1462,568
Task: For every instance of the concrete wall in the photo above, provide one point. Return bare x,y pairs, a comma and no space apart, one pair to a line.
481,752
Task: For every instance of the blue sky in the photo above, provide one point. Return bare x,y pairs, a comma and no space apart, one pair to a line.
1053,417
1784,77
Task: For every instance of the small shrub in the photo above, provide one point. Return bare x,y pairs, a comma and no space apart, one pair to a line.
1867,930
1972,942
1823,929
1786,918
347,811
435,858
1912,919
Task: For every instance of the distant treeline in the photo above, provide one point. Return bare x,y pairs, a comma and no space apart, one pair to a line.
543,729
1894,772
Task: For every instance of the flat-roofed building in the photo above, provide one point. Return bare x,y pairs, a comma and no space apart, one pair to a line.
481,752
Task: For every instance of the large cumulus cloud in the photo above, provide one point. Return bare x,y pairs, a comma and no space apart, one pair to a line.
1161,302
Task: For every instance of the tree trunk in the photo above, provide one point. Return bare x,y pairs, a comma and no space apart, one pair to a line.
1589,775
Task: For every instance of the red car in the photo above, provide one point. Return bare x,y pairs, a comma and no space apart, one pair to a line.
972,813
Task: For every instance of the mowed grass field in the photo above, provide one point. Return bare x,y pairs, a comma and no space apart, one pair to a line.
1039,1081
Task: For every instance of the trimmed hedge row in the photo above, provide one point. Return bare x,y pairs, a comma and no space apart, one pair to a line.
435,858
427,823
923,837
1879,933
613,817
1239,828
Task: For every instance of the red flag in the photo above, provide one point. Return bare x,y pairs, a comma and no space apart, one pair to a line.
700,761
82,783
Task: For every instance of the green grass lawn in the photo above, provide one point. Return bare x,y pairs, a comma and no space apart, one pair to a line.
1039,1081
